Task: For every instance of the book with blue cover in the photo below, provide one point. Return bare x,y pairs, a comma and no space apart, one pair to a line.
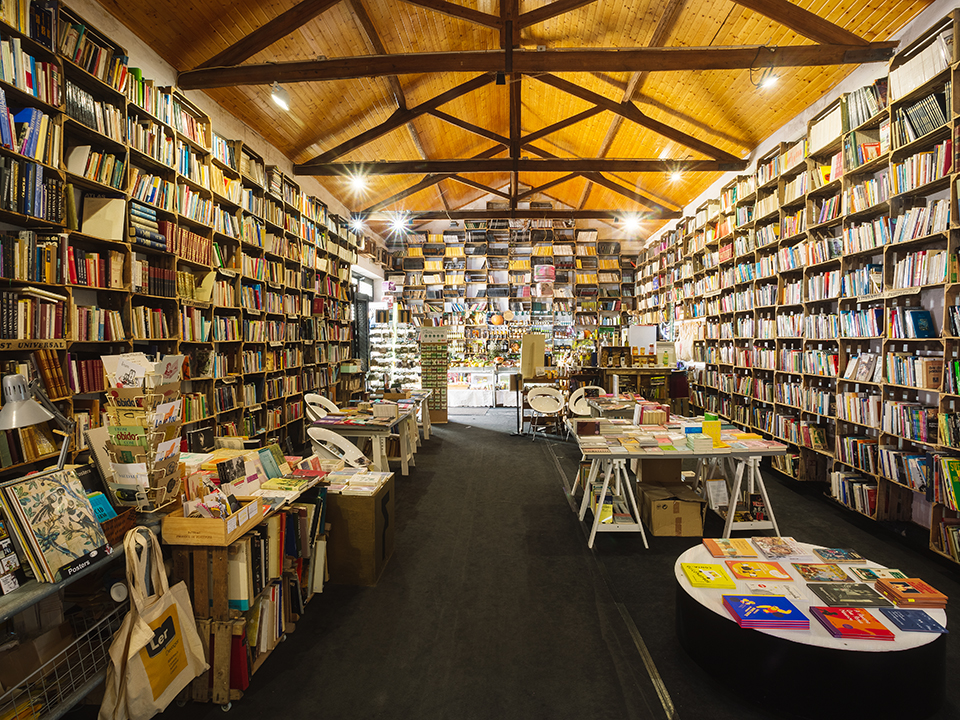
912,620
765,612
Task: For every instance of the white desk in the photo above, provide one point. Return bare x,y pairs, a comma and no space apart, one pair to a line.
378,435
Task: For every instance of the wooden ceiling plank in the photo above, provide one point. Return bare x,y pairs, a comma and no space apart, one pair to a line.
803,22
475,129
399,119
266,35
555,213
557,126
458,11
660,59
376,43
547,186
479,186
551,10
632,112
547,163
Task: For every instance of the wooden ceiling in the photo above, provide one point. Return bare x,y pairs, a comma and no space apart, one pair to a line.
416,80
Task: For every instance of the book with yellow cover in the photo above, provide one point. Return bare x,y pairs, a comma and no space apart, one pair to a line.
707,576
745,570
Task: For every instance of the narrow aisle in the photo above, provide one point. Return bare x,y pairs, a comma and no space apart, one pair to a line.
490,607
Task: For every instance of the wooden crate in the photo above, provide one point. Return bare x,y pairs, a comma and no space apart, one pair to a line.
178,530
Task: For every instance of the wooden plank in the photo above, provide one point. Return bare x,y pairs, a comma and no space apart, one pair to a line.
200,688
396,120
803,21
370,30
458,11
658,59
266,35
220,667
557,126
470,127
494,165
181,566
600,180
515,107
551,10
201,582
547,186
220,608
558,213
479,186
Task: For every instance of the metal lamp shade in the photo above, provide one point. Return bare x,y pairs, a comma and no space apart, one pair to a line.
19,409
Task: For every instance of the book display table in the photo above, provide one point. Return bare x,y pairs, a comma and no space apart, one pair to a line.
810,673
378,429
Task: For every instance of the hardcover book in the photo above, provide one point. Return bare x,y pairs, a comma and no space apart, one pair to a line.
851,623
912,620
778,548
821,572
835,555
765,612
870,574
729,547
848,594
745,570
707,576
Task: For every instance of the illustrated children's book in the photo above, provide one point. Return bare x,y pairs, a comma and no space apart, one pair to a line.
912,620
729,547
778,548
835,555
746,570
821,572
851,623
875,573
848,594
766,588
765,612
707,576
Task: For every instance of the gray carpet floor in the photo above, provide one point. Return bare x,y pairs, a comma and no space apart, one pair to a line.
493,607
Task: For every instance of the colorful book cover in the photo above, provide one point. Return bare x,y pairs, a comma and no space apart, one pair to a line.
870,574
835,555
848,594
765,611
851,623
707,576
59,516
821,572
746,570
777,548
729,547
912,620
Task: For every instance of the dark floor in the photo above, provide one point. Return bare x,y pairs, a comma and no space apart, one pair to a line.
493,607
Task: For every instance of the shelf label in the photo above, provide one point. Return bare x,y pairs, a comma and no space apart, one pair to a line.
58,344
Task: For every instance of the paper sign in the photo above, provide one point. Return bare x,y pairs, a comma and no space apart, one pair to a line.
169,368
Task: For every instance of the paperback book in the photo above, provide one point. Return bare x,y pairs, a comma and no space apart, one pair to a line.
729,547
765,588
911,592
707,576
912,620
851,623
746,570
765,612
779,548
835,555
870,574
821,572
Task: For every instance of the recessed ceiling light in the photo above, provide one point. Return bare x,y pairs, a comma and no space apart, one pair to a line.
358,183
280,96
675,176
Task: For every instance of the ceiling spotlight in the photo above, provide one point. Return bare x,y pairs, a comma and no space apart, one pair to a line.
399,224
280,96
769,81
631,223
675,176
356,224
358,183
501,78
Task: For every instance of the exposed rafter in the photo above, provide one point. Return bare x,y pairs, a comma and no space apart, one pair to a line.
551,10
470,127
376,43
399,119
555,214
458,11
523,164
557,126
632,112
266,35
479,186
803,22
547,186
650,59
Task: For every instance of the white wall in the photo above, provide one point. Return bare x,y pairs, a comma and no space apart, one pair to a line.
157,69
797,127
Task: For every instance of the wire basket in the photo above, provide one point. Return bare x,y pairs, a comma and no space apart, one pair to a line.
116,527
61,683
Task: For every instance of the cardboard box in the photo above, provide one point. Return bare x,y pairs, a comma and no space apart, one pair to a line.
360,541
671,510
28,657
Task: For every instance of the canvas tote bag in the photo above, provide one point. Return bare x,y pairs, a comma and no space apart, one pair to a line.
156,652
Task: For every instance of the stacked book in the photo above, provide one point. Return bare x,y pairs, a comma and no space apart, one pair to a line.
765,612
911,592
851,623
699,442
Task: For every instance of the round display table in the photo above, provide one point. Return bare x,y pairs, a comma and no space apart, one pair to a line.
810,673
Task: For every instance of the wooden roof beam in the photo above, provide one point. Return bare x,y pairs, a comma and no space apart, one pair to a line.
459,11
479,186
645,59
398,119
551,10
376,43
266,35
489,164
547,186
632,112
602,181
470,127
803,22
557,126
553,213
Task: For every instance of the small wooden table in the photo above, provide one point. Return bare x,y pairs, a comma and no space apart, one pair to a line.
378,430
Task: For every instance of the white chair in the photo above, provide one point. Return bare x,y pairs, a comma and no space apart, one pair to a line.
317,406
578,400
545,402
328,444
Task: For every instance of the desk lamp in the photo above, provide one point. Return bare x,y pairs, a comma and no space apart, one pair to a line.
26,404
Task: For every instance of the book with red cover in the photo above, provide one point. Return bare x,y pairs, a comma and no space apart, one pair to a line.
851,623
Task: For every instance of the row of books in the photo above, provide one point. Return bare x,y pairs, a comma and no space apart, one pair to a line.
31,313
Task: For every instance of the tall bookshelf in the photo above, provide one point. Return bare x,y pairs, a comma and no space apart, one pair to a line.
217,256
833,244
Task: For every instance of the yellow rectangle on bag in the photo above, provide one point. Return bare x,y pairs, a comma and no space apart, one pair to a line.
164,657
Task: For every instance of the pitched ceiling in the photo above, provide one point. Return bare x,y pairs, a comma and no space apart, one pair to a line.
612,109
